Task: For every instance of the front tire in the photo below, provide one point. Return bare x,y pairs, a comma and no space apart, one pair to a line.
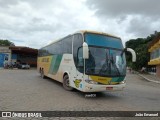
66,83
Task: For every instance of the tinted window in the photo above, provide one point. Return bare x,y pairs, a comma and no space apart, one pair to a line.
103,41
77,43
67,45
60,47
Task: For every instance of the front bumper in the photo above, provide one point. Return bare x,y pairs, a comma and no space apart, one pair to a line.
101,88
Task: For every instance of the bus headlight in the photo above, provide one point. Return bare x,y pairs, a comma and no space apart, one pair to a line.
91,82
122,82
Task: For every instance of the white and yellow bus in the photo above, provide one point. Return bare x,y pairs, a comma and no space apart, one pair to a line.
88,61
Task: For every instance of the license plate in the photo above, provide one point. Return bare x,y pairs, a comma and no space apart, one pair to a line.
109,88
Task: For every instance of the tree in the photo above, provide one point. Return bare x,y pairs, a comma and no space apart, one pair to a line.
140,45
6,43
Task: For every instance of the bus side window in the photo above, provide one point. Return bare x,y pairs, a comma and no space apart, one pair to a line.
77,43
80,62
67,45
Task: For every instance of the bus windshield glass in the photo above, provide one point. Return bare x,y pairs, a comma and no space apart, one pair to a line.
106,56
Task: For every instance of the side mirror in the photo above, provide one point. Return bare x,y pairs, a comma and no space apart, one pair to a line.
133,54
85,51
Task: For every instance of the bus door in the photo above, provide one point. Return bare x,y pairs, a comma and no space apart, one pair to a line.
78,60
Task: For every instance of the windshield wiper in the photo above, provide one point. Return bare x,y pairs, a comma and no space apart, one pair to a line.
113,63
105,67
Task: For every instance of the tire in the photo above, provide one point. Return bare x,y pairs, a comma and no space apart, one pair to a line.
66,83
42,74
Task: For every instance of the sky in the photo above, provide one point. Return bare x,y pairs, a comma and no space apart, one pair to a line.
36,23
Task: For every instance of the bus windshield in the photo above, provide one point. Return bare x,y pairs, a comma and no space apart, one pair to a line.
106,57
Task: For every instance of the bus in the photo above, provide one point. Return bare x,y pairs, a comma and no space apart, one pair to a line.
88,61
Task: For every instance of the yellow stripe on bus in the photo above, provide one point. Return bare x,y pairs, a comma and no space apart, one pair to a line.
104,80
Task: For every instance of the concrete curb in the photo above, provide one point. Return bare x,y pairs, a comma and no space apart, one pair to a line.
149,79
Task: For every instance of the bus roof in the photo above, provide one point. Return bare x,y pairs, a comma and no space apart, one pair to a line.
84,31
96,32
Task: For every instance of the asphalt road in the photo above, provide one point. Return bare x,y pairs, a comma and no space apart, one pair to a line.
25,90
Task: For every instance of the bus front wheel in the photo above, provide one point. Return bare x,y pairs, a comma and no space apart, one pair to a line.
66,83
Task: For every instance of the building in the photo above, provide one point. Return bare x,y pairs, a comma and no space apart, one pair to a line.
18,54
154,49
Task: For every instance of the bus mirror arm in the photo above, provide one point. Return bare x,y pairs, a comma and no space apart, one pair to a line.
85,51
133,54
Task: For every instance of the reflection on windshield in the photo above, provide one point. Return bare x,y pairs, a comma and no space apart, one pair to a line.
105,62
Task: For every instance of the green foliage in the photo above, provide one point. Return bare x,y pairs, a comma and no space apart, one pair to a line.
6,43
140,45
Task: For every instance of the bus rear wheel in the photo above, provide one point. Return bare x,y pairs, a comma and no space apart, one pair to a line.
66,83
